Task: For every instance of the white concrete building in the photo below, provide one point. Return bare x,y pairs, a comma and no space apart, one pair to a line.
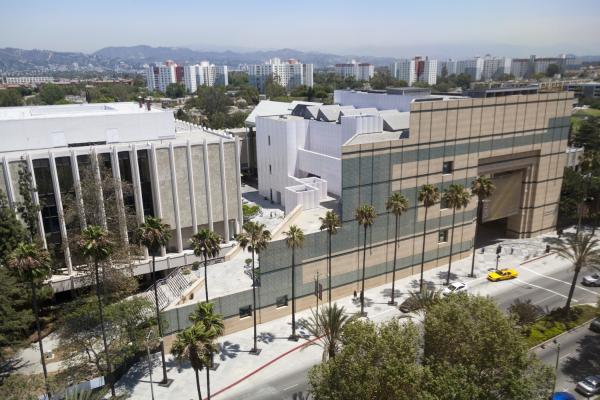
188,176
191,76
473,67
404,70
158,77
26,80
494,67
288,74
415,70
359,71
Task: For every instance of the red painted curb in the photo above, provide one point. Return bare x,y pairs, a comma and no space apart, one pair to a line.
538,258
263,366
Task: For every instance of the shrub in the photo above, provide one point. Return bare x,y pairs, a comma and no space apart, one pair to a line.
250,210
195,265
526,312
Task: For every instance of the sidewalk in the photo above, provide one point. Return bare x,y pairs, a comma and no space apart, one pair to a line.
236,362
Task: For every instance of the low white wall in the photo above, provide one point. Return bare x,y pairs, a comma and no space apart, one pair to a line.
327,167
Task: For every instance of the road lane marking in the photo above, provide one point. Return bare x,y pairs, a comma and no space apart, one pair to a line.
290,387
558,280
543,288
566,355
544,299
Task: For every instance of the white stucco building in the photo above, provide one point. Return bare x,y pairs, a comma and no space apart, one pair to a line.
191,76
415,70
359,71
289,74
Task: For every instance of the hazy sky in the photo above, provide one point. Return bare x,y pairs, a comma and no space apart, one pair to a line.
393,28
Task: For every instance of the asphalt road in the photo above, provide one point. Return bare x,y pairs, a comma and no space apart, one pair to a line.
580,354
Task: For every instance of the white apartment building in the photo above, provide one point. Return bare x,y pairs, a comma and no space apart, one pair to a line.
26,80
415,70
473,67
158,77
494,67
191,76
359,71
289,74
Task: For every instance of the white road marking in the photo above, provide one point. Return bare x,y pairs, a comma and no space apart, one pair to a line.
558,280
544,299
543,288
290,387
566,355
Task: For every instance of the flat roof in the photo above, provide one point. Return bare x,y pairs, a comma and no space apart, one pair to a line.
74,110
365,138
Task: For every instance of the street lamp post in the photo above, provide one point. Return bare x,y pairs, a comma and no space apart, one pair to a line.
150,362
556,365
498,251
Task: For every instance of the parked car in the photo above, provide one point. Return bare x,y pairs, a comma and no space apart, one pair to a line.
409,305
591,280
589,386
595,325
562,396
454,287
502,274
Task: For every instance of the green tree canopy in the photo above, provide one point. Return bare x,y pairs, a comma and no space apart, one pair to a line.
274,89
175,90
383,79
10,98
51,94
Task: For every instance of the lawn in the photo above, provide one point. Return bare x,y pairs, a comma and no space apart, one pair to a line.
550,326
591,112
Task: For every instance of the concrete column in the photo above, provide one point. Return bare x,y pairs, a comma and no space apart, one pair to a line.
248,147
10,194
224,191
175,193
190,167
99,191
238,181
59,209
78,192
114,159
137,189
156,188
36,201
207,187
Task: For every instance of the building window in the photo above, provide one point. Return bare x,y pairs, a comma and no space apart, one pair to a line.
448,167
245,311
281,301
443,203
269,139
269,168
443,236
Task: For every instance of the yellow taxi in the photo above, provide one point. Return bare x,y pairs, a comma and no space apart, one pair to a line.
502,274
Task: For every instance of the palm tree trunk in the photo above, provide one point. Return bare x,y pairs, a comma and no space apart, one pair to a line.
451,243
254,349
158,321
101,310
477,218
208,381
572,290
423,250
39,333
329,266
198,385
293,337
206,276
392,302
362,290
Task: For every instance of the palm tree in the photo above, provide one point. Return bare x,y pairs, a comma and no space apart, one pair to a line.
581,250
294,237
95,244
396,204
32,265
428,195
154,235
456,197
194,344
206,243
365,216
426,298
327,325
482,187
255,238
331,223
213,322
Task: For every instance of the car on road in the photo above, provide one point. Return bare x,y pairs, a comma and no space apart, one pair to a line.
562,396
591,280
589,386
454,287
502,274
595,325
409,305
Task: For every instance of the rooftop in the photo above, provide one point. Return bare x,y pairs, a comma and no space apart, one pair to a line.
73,110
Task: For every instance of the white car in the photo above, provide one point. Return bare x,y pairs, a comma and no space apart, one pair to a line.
591,280
454,287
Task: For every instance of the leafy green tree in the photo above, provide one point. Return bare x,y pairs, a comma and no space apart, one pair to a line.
27,207
482,187
365,216
456,198
16,316
10,98
587,135
51,94
11,230
294,237
255,238
249,93
182,115
383,79
428,195
328,325
237,79
299,91
94,244
397,204
211,99
236,119
330,223
153,234
32,265
525,312
206,244
274,89
175,90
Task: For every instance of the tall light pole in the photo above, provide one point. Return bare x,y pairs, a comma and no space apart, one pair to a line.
556,365
150,362
498,251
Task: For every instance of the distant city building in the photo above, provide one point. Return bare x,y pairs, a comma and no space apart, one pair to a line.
191,76
415,70
289,74
495,67
26,80
359,71
527,67
472,67
588,90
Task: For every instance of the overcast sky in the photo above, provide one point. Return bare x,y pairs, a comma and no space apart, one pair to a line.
385,28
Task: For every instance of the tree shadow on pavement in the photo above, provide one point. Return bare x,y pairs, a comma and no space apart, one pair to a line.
368,301
586,361
444,274
415,283
228,350
139,372
388,293
265,337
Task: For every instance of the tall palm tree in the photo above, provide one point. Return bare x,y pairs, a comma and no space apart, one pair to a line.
294,238
32,265
456,197
95,244
396,204
482,187
213,322
194,344
428,195
154,235
255,238
331,223
581,250
328,325
206,243
365,216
